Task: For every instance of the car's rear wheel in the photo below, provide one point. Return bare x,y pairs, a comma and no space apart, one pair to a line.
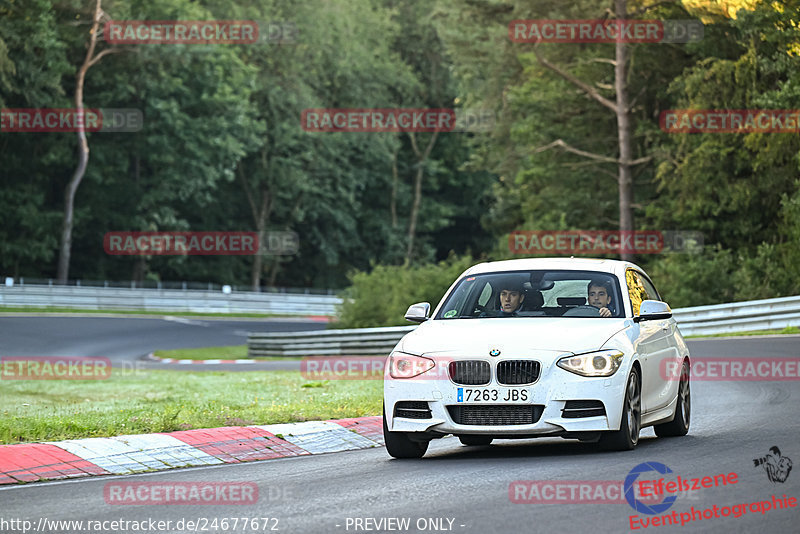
626,438
679,426
400,445
474,441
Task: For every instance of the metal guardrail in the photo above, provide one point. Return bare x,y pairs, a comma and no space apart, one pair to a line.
766,314
158,284
356,341
99,298
699,320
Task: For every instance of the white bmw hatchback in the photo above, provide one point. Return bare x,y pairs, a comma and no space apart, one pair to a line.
577,348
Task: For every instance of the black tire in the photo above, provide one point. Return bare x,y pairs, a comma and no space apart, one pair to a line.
626,438
679,426
399,445
475,441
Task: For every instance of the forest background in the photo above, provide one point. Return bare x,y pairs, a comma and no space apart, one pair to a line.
393,218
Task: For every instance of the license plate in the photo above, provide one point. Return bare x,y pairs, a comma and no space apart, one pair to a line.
492,395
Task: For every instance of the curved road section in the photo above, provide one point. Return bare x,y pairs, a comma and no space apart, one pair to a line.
732,473
125,341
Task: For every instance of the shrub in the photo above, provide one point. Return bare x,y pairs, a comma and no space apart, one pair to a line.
382,296
694,279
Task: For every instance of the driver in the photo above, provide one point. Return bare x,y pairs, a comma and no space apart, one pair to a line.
599,292
511,297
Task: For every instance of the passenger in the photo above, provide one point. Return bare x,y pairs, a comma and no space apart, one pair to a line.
600,296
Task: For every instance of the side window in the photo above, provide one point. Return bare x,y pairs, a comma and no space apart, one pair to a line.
636,290
652,294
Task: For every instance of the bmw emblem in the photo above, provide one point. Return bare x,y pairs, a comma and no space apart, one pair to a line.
494,352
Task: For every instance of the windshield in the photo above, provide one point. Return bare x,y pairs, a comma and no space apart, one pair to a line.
534,294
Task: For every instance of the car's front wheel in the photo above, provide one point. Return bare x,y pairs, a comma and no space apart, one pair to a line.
626,438
399,445
679,426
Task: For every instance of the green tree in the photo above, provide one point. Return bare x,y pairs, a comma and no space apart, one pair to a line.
33,65
740,190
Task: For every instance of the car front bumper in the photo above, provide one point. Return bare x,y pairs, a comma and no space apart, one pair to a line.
551,392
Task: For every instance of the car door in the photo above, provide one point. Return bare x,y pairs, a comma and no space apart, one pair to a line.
667,388
652,343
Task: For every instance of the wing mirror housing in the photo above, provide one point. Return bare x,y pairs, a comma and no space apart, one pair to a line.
652,310
418,313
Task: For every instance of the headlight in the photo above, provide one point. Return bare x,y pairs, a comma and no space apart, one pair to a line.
402,365
601,363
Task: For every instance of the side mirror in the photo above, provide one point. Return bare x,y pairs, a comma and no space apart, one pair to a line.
652,310
418,312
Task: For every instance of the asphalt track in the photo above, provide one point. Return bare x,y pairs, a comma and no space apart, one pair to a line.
732,424
125,341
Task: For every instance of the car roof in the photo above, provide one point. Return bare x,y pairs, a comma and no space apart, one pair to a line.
569,264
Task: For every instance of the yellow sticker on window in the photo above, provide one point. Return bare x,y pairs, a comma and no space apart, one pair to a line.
636,290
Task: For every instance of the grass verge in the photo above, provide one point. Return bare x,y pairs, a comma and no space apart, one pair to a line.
142,401
787,330
230,352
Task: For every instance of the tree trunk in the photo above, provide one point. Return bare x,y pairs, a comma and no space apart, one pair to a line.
139,269
255,269
621,108
261,227
72,188
625,180
83,150
412,222
395,180
260,216
422,157
273,274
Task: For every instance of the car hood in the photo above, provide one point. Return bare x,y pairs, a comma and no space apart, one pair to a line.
475,337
